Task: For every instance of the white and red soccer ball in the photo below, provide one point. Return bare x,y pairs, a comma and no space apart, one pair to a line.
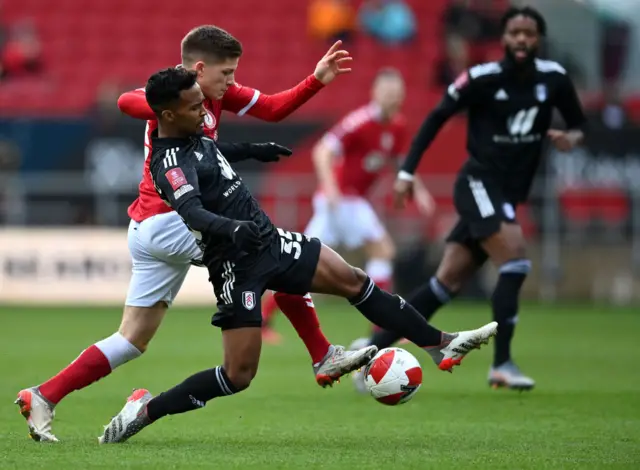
393,376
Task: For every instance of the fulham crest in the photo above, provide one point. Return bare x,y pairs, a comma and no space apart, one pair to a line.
249,300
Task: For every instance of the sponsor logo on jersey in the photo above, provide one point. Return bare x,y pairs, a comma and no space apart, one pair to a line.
182,190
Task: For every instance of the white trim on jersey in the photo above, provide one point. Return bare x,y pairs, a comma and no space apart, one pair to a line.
230,278
485,206
147,141
170,158
243,111
549,66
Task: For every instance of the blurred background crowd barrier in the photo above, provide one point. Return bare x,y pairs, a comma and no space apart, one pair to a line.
70,163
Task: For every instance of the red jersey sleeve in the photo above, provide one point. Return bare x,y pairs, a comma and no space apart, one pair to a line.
245,100
134,104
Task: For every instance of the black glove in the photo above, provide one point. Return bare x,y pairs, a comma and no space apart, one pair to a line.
268,152
246,236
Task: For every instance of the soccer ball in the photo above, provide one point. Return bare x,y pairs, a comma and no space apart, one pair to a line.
393,376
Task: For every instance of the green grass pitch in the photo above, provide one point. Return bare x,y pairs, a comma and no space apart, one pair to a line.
584,413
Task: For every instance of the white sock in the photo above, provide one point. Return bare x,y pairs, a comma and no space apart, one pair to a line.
117,350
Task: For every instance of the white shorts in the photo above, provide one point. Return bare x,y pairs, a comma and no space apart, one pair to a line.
162,250
351,224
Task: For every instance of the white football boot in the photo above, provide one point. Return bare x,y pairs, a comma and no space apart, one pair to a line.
357,376
508,375
457,345
38,412
130,421
338,362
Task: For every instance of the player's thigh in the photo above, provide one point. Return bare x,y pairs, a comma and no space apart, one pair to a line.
360,226
140,324
167,237
322,224
153,279
334,276
242,348
295,259
505,245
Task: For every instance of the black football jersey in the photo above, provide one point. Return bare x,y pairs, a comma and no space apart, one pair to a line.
194,167
508,119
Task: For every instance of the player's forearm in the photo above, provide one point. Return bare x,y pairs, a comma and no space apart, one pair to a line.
427,133
134,104
234,151
276,107
576,136
201,220
323,163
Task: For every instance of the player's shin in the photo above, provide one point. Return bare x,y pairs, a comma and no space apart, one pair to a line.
505,305
393,313
192,394
301,312
426,300
94,363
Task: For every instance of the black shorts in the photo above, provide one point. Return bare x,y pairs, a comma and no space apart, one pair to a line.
287,265
482,206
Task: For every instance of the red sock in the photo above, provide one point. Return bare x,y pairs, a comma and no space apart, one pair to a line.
302,315
90,366
269,307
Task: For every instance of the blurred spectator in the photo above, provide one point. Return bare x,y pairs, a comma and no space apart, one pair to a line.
456,60
331,20
21,53
390,21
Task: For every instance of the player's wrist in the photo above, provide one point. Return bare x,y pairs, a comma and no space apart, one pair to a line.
405,176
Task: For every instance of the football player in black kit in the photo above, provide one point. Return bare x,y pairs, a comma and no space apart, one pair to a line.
509,105
246,254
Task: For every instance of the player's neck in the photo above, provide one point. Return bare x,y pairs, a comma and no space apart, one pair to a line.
167,132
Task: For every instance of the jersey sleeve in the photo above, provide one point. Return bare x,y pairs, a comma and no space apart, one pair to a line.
340,138
245,100
134,104
460,94
176,183
569,105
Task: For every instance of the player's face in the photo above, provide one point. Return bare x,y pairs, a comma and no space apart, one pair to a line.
389,94
188,115
521,38
214,78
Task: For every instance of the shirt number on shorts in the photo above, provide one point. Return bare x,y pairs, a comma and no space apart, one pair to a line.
290,243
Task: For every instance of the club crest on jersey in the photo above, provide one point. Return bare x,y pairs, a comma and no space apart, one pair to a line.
541,92
386,141
249,300
209,120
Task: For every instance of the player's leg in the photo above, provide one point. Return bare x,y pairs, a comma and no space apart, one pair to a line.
269,308
507,250
335,276
240,318
457,265
153,285
492,222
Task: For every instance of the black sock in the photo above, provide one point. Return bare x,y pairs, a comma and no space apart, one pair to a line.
393,313
426,300
191,394
505,306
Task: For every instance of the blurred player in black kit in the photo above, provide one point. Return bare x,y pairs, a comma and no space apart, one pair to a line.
246,254
510,105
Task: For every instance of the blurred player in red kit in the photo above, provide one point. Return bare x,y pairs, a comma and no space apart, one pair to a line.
349,160
161,246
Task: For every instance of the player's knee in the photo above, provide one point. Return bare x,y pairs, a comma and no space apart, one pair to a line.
355,282
450,280
241,376
519,265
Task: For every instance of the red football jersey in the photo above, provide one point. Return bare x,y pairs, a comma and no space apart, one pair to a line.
238,99
365,145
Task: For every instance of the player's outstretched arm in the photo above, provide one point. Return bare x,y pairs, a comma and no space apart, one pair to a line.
134,103
274,108
264,152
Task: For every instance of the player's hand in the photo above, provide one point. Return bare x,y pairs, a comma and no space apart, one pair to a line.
268,152
246,236
333,64
424,201
563,140
402,192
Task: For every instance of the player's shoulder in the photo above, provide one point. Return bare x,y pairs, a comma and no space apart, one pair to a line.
357,118
485,71
550,67
400,121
